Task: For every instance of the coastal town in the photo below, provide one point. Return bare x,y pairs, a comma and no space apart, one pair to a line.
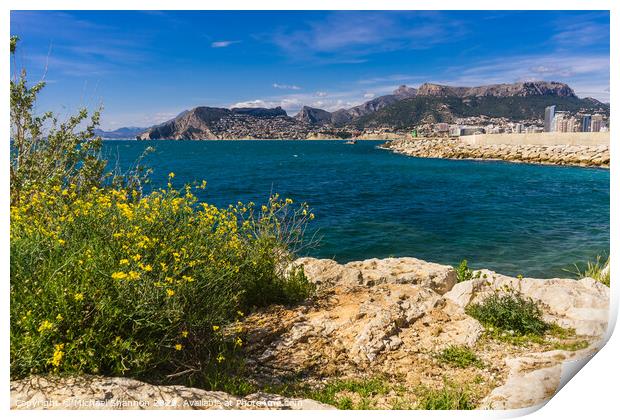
430,110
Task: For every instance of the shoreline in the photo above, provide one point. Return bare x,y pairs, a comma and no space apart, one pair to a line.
586,156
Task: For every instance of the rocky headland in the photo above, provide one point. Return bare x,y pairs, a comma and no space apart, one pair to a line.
455,148
380,321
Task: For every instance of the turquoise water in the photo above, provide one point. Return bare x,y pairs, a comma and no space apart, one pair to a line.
511,218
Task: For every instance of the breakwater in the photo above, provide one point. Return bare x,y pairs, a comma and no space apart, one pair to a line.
558,150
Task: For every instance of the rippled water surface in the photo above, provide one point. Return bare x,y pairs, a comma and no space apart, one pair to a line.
511,218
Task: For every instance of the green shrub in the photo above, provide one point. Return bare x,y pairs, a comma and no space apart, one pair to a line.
459,356
450,397
463,273
511,312
364,388
598,270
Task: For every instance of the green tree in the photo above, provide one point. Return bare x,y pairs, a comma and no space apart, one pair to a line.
46,152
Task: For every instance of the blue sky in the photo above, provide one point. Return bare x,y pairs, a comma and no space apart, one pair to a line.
146,67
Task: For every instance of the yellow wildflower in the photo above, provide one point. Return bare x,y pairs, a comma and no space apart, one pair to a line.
170,292
58,354
124,261
216,327
134,275
59,317
171,175
187,278
178,347
238,342
45,325
137,257
185,333
146,267
78,297
61,241
220,358
119,275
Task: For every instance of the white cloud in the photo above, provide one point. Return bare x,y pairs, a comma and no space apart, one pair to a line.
369,95
333,101
287,87
223,44
350,36
585,29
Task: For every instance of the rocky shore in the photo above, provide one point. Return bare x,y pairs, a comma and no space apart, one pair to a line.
448,148
387,321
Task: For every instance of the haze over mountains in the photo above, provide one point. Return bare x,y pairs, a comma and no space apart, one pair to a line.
404,108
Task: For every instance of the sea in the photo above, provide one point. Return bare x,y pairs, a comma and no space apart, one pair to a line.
513,218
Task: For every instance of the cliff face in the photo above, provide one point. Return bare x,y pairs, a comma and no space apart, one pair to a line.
203,123
191,125
314,115
499,90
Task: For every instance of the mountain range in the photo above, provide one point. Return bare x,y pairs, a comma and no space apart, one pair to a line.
120,133
403,108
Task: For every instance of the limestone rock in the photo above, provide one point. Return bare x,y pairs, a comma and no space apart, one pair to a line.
533,379
328,273
579,304
97,392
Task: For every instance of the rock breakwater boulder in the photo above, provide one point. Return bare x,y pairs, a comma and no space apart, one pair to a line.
451,148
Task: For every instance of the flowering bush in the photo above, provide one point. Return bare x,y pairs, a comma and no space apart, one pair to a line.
112,282
106,280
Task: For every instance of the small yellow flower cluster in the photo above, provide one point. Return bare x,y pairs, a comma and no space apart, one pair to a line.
56,359
45,326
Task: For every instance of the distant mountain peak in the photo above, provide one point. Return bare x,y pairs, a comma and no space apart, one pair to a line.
530,88
312,115
405,91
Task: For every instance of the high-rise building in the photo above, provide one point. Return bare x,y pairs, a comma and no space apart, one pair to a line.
586,122
597,122
560,122
549,115
573,125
